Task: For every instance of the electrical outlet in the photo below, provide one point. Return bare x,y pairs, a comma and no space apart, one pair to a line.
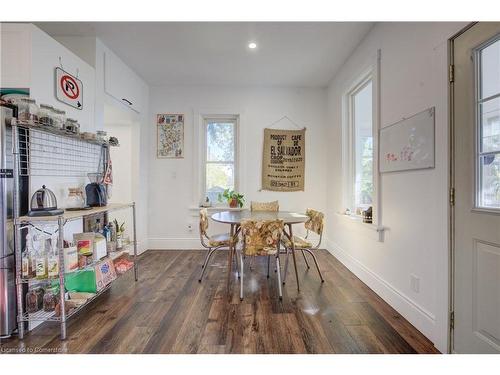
415,283
190,227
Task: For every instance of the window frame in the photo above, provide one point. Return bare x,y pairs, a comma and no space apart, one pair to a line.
478,128
205,120
349,139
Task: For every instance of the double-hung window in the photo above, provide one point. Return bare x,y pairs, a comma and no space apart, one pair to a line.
487,60
360,153
220,156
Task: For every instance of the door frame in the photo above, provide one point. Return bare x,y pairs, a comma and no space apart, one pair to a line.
451,186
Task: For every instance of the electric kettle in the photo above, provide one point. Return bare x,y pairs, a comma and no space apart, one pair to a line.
44,203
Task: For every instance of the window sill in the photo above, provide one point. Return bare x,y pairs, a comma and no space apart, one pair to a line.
217,208
358,221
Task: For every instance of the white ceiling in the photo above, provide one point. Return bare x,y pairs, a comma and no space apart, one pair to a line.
297,54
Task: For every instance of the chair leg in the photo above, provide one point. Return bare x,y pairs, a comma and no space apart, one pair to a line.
268,261
286,266
237,264
204,266
241,276
305,259
316,263
278,270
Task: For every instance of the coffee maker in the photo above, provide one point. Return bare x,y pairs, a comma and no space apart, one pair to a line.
95,191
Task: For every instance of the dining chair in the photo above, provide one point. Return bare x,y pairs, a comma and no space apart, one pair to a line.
265,206
261,238
214,243
315,224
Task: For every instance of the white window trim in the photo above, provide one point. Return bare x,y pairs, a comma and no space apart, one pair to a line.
371,72
478,206
204,118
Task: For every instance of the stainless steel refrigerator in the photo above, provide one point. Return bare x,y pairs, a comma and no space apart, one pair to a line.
8,309
7,259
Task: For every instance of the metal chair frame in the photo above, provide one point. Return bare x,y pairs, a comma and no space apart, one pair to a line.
303,250
211,250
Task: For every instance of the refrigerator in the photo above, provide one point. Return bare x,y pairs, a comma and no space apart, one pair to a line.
8,303
7,258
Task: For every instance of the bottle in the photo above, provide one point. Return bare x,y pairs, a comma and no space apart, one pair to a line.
41,260
27,264
52,258
26,274
112,231
106,232
97,227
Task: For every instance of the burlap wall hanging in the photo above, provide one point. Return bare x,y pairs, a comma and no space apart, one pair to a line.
283,159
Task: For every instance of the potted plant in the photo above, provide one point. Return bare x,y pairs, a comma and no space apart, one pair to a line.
233,198
120,228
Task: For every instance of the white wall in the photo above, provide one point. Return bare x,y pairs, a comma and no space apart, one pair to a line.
140,145
121,124
173,183
414,204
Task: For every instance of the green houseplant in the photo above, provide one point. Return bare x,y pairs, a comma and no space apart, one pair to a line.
120,229
233,198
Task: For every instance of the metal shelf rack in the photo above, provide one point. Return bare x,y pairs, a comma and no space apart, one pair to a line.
22,167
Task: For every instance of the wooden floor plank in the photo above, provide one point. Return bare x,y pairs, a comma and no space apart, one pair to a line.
168,311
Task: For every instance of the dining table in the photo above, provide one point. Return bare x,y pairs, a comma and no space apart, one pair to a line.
234,219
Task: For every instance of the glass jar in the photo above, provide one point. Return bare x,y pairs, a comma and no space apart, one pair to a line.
72,126
46,116
50,299
75,198
27,110
59,119
34,300
101,135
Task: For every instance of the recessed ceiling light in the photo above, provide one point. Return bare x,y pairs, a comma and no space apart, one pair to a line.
252,45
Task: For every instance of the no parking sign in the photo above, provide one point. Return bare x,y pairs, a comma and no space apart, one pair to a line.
69,89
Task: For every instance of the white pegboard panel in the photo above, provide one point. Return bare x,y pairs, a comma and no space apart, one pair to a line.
49,154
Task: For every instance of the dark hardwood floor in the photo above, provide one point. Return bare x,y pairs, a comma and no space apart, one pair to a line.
168,311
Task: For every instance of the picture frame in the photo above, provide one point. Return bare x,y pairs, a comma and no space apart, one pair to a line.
170,135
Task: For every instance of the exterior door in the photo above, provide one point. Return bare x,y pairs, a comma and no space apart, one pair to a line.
476,183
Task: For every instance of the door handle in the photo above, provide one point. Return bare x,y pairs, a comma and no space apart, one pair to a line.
127,101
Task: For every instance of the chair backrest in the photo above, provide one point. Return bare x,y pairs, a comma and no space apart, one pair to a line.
315,222
265,206
203,222
261,237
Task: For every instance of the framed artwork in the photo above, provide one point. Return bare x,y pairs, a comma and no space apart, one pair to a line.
170,136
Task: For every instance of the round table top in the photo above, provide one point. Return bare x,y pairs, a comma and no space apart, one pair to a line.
235,217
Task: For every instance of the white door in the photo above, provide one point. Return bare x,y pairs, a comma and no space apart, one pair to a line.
476,180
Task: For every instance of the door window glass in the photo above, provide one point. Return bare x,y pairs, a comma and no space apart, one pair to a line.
488,125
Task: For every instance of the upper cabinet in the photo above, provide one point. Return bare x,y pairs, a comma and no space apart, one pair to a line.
29,58
121,82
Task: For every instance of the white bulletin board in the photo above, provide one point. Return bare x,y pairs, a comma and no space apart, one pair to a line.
408,144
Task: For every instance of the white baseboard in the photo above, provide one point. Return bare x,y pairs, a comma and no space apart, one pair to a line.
422,319
174,243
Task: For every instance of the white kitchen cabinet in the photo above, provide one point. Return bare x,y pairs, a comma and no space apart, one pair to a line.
29,58
121,82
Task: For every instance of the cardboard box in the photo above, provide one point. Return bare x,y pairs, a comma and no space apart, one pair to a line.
104,273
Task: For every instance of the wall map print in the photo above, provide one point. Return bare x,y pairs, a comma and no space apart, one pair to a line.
170,135
283,160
